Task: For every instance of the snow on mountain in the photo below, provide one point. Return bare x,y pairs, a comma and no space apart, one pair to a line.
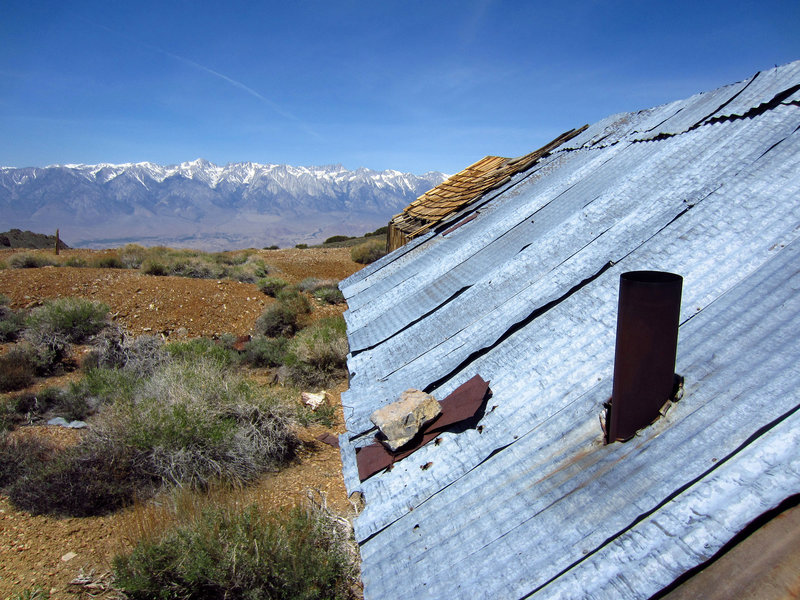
203,205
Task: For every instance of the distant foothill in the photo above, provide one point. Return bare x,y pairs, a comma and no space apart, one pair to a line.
16,238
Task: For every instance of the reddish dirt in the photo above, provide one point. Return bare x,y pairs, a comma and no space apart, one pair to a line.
49,552
148,304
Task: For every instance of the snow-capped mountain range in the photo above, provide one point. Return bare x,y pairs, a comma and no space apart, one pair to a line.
199,204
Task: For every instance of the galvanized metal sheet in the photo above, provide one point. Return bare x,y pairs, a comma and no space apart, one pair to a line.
509,285
537,272
536,509
537,369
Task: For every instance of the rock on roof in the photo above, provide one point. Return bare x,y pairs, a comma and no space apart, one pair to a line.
520,287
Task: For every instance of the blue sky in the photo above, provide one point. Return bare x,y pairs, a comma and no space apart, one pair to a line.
406,85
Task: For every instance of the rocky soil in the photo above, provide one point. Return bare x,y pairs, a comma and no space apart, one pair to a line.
71,557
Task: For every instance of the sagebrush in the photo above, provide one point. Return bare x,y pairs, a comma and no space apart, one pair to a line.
243,553
368,252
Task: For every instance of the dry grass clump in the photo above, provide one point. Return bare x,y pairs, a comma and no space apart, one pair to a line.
11,321
17,369
30,260
282,319
318,354
76,319
115,348
196,423
51,328
263,351
214,551
188,423
368,252
324,290
159,260
272,285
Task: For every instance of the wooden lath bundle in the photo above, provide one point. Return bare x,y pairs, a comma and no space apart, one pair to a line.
459,190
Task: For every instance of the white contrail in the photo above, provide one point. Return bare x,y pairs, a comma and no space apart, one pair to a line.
238,84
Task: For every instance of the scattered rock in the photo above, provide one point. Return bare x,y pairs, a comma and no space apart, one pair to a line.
401,420
314,401
68,556
62,422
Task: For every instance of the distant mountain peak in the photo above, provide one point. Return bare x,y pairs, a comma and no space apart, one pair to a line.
198,203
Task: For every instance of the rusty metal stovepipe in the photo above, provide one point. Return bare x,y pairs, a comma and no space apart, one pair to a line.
647,342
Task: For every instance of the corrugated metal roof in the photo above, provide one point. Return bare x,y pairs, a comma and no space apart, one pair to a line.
524,294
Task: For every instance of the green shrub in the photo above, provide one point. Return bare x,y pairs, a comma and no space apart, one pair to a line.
189,424
245,553
246,273
99,386
329,295
318,354
294,300
17,454
17,368
264,351
133,255
28,260
228,340
85,480
272,285
76,261
194,422
51,328
324,415
154,267
109,385
337,238
108,261
197,268
74,318
301,246
229,258
115,348
277,320
379,231
201,349
27,405
273,247
311,284
368,252
11,322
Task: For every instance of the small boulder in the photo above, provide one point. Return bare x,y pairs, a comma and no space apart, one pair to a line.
402,420
314,401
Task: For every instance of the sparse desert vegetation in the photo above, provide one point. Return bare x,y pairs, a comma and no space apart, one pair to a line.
241,265
173,411
368,252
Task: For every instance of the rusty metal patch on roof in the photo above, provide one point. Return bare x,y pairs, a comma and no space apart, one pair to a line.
460,407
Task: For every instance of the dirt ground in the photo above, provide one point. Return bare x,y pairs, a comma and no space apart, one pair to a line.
71,557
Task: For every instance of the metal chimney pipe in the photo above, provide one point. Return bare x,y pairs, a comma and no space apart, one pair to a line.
647,342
